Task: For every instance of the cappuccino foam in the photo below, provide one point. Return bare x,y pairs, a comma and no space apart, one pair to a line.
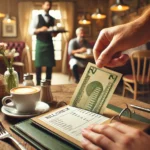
24,90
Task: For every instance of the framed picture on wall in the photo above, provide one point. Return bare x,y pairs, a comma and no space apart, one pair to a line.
9,28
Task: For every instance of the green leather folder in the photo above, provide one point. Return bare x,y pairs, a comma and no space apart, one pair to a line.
134,115
39,138
42,139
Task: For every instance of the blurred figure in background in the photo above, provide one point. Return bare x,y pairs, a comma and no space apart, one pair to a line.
44,45
77,45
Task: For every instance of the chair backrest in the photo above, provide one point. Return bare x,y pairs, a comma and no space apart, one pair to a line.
26,59
92,43
18,45
140,62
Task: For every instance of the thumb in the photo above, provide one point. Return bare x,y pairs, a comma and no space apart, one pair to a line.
106,56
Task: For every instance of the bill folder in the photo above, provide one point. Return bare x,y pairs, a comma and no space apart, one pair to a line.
43,139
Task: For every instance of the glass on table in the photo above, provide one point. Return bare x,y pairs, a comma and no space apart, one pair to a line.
89,51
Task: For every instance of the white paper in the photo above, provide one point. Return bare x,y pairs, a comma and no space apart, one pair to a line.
72,120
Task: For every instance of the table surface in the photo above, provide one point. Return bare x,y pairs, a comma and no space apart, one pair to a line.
84,55
64,93
56,31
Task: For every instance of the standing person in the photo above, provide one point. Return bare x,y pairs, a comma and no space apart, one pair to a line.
77,45
44,45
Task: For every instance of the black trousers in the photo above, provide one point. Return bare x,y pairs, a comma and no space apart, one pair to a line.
39,71
75,73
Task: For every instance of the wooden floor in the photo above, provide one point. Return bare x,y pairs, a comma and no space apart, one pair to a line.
57,78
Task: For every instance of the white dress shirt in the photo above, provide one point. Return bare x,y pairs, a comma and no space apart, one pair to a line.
35,21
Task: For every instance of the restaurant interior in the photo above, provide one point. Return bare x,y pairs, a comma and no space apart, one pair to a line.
97,15
92,16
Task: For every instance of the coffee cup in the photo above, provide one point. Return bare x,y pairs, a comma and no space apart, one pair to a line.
88,51
24,99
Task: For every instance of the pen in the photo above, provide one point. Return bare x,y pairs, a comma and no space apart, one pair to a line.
140,108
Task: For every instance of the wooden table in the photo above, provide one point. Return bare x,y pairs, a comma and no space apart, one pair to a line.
84,56
57,31
64,93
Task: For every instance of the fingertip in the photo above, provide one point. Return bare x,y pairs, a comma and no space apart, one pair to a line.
84,141
90,126
99,63
84,132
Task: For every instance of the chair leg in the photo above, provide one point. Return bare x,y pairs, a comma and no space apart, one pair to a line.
135,92
135,95
69,78
70,75
21,74
123,92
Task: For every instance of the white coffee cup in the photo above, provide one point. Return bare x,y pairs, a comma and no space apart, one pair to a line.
88,51
24,98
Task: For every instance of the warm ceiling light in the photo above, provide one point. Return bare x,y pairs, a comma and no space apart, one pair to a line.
119,6
84,21
2,15
98,15
8,19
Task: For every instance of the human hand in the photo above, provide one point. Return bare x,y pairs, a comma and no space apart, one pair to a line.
44,28
53,34
109,45
82,50
115,136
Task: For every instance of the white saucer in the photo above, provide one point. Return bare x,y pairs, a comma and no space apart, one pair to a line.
41,107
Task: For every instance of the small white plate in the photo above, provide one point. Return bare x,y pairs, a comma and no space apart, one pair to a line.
41,107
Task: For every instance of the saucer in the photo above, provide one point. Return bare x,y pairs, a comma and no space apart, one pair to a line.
41,107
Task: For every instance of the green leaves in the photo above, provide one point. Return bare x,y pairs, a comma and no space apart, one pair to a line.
11,82
6,52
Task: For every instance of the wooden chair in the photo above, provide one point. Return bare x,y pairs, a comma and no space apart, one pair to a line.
138,82
25,65
70,74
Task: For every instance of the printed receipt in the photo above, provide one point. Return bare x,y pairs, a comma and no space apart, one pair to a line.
72,120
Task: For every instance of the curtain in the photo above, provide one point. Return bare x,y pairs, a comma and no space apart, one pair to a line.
25,16
67,20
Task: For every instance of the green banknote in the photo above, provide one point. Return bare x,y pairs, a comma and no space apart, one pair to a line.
95,88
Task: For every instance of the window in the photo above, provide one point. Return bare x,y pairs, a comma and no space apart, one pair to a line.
56,40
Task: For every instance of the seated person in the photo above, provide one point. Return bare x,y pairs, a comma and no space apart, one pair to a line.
77,45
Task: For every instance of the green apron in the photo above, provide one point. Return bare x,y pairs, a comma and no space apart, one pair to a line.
44,55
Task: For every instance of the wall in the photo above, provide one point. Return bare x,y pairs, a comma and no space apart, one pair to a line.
81,5
13,10
89,7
